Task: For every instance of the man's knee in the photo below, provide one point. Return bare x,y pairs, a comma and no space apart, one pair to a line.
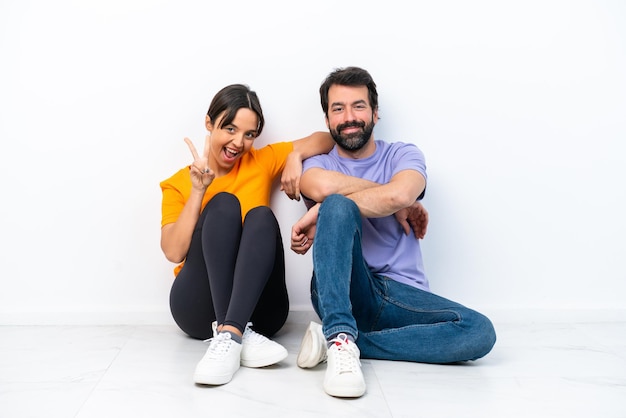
339,207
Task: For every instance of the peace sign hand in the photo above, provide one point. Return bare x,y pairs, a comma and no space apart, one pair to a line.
201,174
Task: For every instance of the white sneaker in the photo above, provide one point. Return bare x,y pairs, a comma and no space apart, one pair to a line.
344,378
220,362
313,347
260,351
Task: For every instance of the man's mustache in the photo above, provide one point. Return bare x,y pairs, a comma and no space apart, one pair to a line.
350,125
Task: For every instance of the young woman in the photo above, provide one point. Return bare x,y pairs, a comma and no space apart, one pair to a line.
218,227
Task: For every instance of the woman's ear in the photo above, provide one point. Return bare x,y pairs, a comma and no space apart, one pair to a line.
207,123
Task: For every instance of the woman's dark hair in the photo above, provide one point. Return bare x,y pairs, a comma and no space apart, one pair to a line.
349,76
232,98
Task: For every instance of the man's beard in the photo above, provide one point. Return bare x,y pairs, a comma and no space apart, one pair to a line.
354,141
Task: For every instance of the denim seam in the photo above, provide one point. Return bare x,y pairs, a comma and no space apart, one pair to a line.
402,305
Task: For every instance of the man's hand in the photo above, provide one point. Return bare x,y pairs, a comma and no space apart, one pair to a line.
415,218
303,231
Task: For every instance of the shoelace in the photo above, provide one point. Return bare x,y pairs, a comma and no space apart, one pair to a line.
348,358
252,337
219,345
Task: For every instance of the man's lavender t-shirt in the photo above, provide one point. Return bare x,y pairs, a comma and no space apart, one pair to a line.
386,248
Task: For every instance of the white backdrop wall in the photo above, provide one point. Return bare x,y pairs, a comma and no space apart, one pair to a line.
519,108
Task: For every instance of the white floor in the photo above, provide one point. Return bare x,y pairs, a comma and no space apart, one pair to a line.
535,370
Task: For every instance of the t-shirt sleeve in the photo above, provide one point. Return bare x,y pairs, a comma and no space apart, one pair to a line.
274,156
173,196
410,157
317,161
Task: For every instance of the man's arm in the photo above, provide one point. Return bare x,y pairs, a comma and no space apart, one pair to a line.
386,199
317,184
374,200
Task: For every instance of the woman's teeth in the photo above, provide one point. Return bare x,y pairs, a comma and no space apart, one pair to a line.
231,153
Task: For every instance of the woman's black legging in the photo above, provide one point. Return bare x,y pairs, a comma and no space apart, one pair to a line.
233,273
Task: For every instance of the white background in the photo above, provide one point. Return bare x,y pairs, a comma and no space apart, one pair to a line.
519,108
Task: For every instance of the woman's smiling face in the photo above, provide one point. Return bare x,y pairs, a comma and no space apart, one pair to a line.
230,142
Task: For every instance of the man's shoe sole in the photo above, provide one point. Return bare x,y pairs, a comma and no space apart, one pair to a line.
310,348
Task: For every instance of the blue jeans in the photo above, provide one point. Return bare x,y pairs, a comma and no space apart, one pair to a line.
389,320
